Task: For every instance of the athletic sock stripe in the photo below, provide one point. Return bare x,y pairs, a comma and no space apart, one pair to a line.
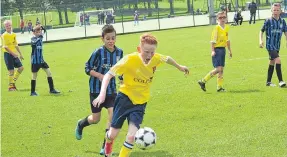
128,145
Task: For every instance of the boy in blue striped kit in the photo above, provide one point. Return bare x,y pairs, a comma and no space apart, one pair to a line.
37,61
100,62
274,27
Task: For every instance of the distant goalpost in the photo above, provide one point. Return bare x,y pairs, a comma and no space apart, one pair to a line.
93,16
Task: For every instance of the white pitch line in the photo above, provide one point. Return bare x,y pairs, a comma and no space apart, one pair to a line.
199,65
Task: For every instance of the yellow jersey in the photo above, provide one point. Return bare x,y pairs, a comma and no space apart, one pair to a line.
219,36
9,40
137,76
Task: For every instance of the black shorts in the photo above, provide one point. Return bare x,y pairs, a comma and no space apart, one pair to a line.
125,109
219,58
108,103
11,61
36,67
273,54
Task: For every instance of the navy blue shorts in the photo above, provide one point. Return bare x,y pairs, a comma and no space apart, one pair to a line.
125,109
11,61
108,103
36,67
219,58
273,54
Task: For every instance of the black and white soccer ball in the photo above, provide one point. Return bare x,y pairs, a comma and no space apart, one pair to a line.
145,138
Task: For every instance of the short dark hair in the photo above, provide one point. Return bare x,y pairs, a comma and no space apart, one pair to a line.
107,29
37,28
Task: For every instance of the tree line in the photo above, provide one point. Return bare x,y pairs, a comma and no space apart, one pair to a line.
9,7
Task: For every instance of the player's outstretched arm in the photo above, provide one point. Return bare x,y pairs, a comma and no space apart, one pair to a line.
102,96
182,68
261,43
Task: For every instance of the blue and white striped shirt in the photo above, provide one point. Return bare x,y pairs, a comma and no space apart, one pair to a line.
101,61
37,50
274,29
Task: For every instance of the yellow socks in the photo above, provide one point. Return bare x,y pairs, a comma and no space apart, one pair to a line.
126,150
219,82
207,77
11,80
16,75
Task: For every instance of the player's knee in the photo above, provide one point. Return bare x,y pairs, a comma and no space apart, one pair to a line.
49,74
277,60
130,138
95,119
112,136
21,69
11,73
34,76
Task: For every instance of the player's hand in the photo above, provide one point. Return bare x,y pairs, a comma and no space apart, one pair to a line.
184,69
261,44
14,55
230,55
212,53
99,100
21,57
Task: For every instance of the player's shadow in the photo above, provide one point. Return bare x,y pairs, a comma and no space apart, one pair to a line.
245,91
159,153
24,90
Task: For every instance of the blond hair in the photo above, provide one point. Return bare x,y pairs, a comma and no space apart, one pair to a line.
7,21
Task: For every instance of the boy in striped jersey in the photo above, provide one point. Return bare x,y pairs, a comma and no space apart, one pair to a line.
274,27
37,61
100,62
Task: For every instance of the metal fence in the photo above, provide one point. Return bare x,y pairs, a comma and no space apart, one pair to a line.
80,20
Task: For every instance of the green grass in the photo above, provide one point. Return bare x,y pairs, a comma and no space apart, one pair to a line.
248,120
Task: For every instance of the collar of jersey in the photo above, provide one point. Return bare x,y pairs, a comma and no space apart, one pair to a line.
109,50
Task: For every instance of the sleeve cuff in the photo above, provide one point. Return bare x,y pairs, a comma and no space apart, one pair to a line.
112,73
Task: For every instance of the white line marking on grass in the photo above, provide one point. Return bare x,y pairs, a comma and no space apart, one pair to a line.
200,65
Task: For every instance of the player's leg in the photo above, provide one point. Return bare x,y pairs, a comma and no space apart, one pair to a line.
94,118
272,56
129,143
46,68
110,116
9,61
254,16
220,79
216,61
279,72
122,108
33,84
241,19
17,64
135,119
34,68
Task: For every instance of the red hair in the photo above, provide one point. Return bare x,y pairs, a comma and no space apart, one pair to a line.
148,39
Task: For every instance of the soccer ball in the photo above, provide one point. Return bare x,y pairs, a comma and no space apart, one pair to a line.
145,138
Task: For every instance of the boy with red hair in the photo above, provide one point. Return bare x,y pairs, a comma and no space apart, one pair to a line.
137,70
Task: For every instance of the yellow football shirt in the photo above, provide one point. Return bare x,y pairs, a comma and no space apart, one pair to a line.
9,40
137,76
219,36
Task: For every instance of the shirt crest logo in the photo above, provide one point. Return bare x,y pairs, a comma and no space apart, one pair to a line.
118,58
